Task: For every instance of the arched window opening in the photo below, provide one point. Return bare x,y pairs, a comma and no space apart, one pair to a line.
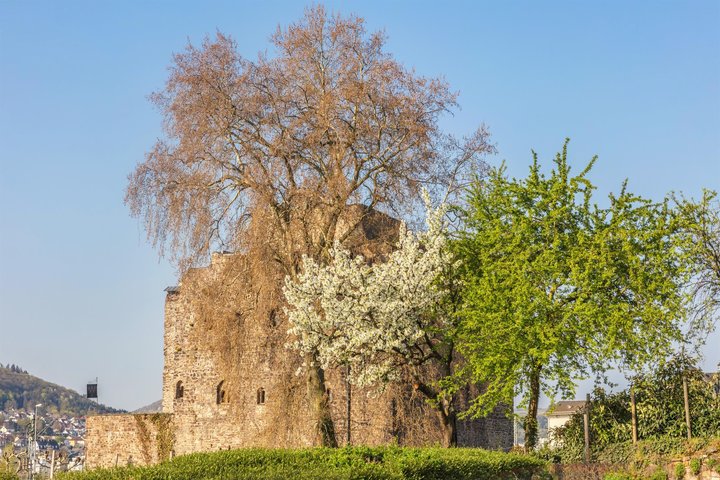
179,390
222,396
261,396
273,317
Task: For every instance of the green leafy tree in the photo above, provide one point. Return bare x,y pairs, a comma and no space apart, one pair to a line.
557,288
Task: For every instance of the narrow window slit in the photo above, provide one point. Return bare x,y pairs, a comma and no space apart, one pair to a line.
179,390
221,394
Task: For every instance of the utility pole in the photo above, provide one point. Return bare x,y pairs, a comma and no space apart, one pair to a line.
26,460
33,450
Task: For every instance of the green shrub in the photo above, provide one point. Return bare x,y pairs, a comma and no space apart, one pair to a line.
679,471
663,446
376,463
712,464
695,466
658,475
5,475
615,453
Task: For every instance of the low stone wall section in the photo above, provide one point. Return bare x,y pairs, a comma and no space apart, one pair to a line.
128,439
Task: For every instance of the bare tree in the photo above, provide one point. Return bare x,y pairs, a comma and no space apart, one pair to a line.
699,221
269,155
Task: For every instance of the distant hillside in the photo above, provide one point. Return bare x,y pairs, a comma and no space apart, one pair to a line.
20,390
155,407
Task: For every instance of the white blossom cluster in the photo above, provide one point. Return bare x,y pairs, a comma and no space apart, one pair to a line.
372,318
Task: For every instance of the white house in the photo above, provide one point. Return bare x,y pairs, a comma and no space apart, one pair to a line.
561,413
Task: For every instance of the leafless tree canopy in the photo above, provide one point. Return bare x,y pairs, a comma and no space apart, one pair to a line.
284,145
700,225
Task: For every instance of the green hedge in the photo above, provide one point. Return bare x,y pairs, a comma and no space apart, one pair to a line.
379,463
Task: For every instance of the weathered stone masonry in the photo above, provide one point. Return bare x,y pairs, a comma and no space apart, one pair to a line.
118,440
229,382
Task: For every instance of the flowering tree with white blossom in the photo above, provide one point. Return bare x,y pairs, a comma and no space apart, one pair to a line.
380,319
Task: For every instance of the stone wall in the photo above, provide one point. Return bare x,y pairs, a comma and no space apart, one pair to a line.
135,439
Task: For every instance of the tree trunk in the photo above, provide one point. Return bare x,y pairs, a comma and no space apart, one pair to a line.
448,417
530,424
449,423
318,399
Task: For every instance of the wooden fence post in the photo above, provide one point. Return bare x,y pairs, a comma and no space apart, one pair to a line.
633,413
586,421
687,406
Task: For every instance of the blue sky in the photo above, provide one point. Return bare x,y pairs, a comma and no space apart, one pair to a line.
81,293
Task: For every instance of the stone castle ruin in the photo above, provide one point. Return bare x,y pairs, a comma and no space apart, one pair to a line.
229,381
